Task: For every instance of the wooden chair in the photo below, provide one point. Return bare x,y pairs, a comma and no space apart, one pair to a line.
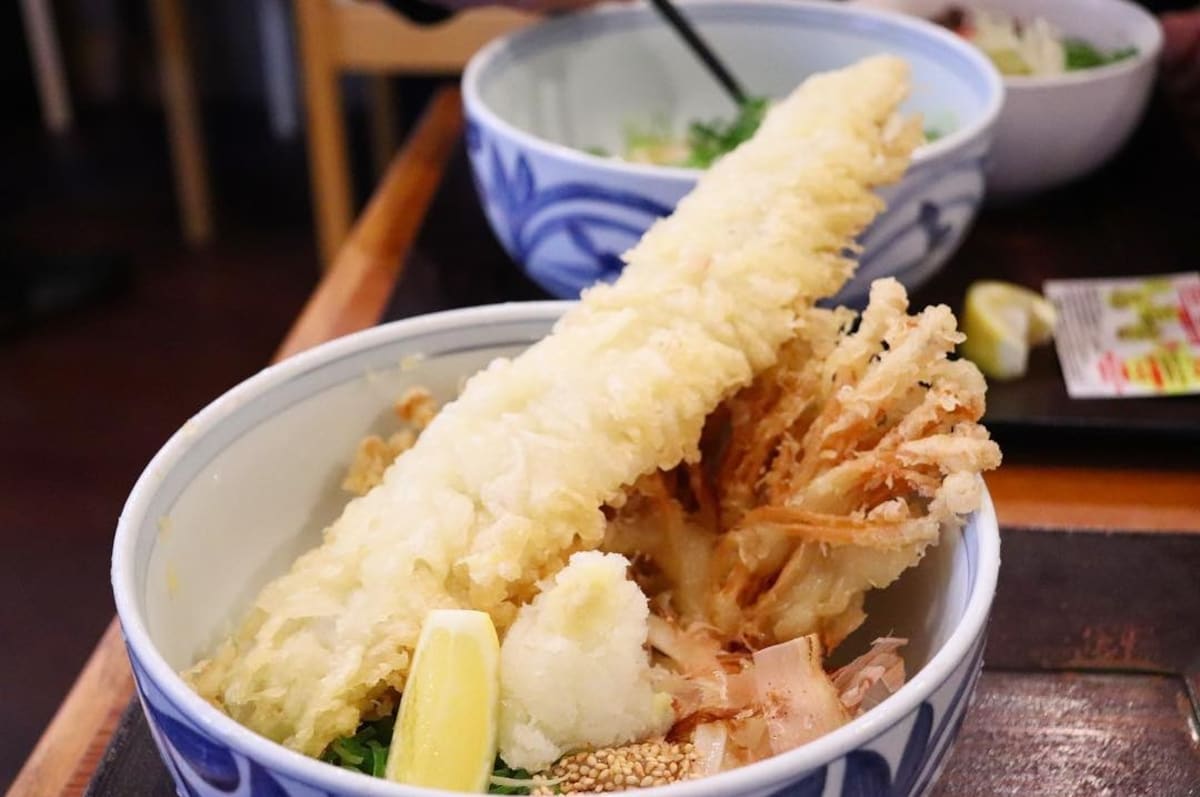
42,36
182,109
338,37
179,101
357,284
351,296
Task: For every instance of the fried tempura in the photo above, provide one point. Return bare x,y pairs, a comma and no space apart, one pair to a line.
886,453
414,410
827,477
835,470
373,457
510,478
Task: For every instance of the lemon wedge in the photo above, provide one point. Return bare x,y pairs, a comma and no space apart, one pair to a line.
445,735
1001,321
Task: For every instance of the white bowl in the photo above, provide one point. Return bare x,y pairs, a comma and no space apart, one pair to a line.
1056,129
248,484
535,99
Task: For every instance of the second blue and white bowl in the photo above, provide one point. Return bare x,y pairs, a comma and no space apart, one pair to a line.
536,99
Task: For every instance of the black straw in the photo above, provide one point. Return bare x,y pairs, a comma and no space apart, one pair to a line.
701,49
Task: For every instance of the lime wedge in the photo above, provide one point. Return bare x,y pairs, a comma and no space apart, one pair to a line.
1001,321
445,735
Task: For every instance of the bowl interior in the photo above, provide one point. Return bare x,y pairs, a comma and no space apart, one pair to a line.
249,484
582,80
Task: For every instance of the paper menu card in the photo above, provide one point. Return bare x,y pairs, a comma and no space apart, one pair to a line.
1128,337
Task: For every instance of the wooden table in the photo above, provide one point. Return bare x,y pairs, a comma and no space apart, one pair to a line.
1092,681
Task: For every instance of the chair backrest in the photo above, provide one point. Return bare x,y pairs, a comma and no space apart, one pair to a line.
370,37
366,37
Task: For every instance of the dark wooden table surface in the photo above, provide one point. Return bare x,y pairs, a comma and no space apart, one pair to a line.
1092,674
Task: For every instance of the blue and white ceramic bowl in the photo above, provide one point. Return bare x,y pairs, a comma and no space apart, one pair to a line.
248,483
537,98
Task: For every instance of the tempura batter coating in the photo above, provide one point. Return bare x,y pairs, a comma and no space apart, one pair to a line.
873,447
827,477
510,478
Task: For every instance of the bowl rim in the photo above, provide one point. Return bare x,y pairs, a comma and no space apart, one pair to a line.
480,62
310,771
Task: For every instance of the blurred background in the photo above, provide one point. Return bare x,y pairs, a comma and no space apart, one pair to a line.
135,287
114,326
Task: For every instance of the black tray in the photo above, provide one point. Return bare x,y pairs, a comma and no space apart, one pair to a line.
131,766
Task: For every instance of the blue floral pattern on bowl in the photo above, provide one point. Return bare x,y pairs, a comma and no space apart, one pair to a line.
565,216
902,760
200,765
569,233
